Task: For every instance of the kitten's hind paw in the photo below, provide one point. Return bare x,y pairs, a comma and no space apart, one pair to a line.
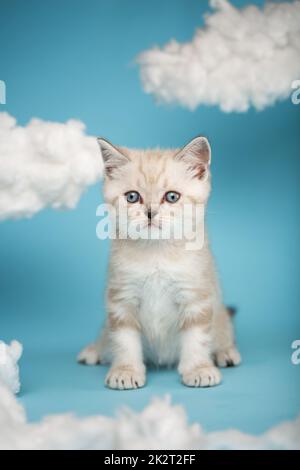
89,355
125,378
207,376
228,358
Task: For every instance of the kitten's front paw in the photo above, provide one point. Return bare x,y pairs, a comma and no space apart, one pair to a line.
125,377
89,355
207,376
228,358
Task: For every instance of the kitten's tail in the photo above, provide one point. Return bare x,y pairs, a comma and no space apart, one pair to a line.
231,311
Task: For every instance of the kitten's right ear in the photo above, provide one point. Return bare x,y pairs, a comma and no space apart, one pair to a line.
113,158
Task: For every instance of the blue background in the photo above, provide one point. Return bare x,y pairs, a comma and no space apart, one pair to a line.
65,59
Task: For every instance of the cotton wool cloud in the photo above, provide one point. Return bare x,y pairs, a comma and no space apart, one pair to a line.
160,425
44,164
9,370
239,58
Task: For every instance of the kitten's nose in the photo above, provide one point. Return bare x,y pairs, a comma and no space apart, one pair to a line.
151,213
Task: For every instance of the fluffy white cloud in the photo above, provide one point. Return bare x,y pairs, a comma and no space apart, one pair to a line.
239,58
44,164
159,426
9,369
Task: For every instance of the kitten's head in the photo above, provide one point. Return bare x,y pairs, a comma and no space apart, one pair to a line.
154,187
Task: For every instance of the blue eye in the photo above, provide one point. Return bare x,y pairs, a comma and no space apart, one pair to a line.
133,196
172,197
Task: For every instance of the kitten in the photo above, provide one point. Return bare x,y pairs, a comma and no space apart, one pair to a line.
163,300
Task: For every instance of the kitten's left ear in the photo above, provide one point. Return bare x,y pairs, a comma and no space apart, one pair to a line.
197,155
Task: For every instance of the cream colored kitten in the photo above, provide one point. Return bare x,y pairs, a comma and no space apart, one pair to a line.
163,301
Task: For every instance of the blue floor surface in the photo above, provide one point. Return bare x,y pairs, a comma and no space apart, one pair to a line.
260,393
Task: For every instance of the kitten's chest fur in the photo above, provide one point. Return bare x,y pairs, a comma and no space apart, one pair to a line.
155,280
158,315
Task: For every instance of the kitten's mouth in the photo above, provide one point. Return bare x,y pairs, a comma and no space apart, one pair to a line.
152,224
